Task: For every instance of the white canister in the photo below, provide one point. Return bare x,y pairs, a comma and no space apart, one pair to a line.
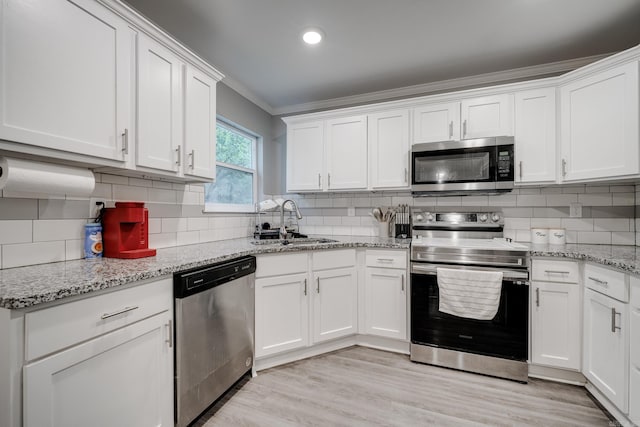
539,236
557,236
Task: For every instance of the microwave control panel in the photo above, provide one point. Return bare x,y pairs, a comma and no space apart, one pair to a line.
505,163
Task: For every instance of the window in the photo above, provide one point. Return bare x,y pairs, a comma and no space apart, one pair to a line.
234,189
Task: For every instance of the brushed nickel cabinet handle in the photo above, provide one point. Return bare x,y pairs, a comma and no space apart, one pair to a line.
520,166
319,181
451,129
406,175
328,180
402,282
385,259
193,159
318,286
179,160
125,141
464,128
537,297
613,320
599,282
170,331
115,313
305,286
564,168
556,272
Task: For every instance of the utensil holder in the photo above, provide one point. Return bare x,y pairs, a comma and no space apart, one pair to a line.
383,228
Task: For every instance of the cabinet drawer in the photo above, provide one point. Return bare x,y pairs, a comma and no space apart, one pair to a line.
609,282
334,259
281,264
555,271
64,325
386,259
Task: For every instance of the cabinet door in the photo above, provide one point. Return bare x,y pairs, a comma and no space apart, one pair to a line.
124,378
66,81
599,125
160,104
305,156
487,116
555,325
634,352
335,307
346,143
606,349
386,303
282,313
200,126
436,122
535,135
389,149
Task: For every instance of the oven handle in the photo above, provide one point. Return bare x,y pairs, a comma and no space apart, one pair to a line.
432,270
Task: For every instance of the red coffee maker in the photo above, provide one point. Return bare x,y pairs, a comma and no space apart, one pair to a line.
125,231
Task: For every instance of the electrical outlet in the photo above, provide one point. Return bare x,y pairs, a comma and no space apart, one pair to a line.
575,210
351,211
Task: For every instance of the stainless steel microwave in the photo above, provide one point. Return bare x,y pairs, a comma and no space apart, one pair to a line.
484,165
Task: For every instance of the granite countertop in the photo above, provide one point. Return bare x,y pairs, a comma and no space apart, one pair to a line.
24,287
28,286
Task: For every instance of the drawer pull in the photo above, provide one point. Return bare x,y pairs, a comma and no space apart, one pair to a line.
115,313
305,286
613,320
385,259
599,282
318,287
402,278
537,297
556,272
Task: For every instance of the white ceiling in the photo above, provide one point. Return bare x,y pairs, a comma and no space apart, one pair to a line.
378,46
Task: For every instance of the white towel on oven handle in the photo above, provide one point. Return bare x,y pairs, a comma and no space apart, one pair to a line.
474,294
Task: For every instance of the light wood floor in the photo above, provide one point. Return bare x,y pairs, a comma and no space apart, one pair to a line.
359,386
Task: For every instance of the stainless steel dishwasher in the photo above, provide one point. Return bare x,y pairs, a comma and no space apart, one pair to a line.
214,333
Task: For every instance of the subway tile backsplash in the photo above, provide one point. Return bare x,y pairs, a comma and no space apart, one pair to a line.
41,228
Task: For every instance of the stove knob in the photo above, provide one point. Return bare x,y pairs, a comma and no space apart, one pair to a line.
429,217
419,218
495,217
483,217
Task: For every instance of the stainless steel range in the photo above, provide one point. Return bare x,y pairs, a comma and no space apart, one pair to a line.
454,325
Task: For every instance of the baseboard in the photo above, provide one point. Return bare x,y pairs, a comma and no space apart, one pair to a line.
556,374
613,411
380,343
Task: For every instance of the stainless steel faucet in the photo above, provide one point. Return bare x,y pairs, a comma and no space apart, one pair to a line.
283,229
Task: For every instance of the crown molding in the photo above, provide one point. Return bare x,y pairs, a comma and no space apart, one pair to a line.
248,94
553,68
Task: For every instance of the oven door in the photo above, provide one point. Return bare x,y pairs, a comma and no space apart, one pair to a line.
470,165
505,336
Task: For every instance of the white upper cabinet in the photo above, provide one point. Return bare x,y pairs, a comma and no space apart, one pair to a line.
599,125
468,119
389,149
436,122
346,143
535,136
160,97
66,79
487,116
305,156
200,126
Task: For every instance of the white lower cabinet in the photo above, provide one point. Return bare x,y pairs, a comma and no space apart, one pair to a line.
123,377
555,314
606,347
634,351
386,293
304,299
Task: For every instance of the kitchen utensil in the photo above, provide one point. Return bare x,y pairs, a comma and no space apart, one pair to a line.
377,214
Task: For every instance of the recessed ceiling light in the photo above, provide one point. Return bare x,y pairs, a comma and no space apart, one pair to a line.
312,36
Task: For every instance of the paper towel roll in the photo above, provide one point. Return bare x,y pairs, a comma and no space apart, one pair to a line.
39,177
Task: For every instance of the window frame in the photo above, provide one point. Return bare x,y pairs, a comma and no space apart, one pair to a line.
255,138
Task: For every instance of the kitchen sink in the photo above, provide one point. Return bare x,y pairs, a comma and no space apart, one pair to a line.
293,242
